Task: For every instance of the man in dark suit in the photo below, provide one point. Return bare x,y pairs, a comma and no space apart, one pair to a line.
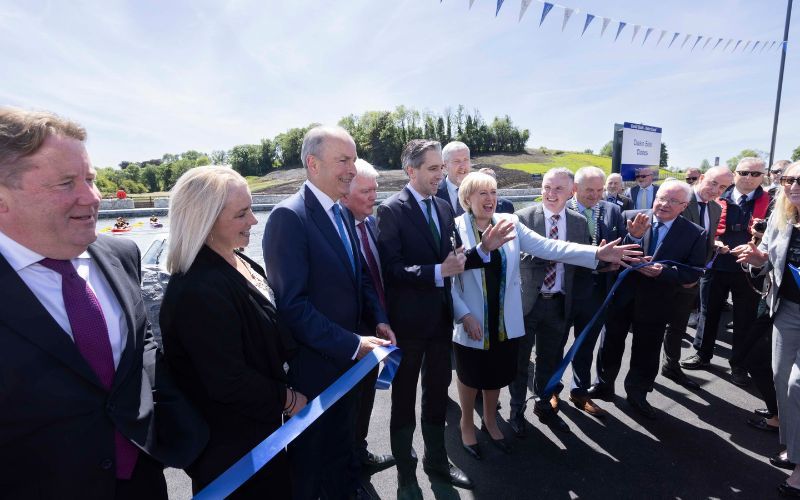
88,409
546,300
416,240
458,164
646,297
360,201
324,294
613,193
591,287
705,212
644,192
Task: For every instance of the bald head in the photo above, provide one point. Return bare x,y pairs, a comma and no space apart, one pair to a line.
713,183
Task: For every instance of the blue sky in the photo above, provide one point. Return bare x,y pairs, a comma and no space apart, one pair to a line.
152,77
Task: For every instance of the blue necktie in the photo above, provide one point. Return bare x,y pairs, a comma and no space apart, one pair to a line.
337,215
654,236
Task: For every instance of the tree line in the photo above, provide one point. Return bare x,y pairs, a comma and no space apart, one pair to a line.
379,136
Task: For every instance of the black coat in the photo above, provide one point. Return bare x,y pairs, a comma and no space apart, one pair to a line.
226,350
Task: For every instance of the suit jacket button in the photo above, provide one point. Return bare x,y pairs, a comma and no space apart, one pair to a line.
106,464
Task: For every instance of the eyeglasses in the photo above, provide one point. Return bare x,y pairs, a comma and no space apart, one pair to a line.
745,173
644,176
691,179
777,172
671,201
788,181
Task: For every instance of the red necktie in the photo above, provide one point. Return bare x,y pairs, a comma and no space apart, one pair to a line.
550,270
90,333
372,264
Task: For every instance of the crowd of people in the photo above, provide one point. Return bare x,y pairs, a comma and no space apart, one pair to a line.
444,270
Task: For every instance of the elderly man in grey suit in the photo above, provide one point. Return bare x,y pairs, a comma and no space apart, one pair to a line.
705,212
546,299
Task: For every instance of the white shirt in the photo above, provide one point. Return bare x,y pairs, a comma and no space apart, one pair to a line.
452,190
46,286
558,285
736,194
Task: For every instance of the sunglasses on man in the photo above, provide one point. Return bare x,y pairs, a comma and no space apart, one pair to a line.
788,181
745,173
691,179
643,176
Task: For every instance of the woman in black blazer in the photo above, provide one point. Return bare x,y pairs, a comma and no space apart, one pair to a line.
222,338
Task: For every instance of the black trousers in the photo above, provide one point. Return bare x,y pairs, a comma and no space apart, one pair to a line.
757,359
745,309
682,307
147,481
645,349
364,403
582,313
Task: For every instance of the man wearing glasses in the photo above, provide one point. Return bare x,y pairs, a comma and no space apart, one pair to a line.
743,204
692,174
775,173
645,191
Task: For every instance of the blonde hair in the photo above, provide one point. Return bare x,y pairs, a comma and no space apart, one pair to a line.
471,183
194,206
784,213
22,133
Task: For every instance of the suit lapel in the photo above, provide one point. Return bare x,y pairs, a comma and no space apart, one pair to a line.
414,213
24,315
669,238
692,211
573,229
538,221
325,226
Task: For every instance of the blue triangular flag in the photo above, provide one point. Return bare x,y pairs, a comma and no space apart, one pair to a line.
717,44
673,39
754,46
646,34
499,4
736,46
696,42
795,273
545,11
589,19
619,29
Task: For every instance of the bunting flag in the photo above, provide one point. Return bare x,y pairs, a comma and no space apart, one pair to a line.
726,45
719,41
606,20
673,39
499,4
545,10
619,29
661,37
470,3
772,44
684,41
745,46
696,42
754,46
522,8
706,44
589,19
636,28
647,34
567,14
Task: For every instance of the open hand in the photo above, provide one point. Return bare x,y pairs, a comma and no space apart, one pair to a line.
750,254
615,253
638,225
496,236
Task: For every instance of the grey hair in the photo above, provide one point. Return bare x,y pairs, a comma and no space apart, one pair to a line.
691,169
686,188
414,152
314,140
195,203
365,169
589,171
782,164
615,175
559,171
752,160
453,147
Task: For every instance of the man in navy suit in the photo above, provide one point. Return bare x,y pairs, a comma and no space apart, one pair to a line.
646,298
591,286
644,192
324,295
457,163
361,203
613,193
89,411
420,251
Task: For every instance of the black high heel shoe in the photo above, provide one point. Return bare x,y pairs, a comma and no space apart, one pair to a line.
501,443
473,450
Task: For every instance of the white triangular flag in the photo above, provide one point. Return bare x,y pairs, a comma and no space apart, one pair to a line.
522,8
746,45
726,45
567,14
470,3
606,20
684,40
706,44
661,37
635,31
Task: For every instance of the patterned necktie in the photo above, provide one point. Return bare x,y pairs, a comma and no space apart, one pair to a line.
372,264
654,237
90,333
641,202
550,270
337,215
431,224
589,213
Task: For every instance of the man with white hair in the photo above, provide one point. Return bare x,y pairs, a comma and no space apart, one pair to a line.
591,287
360,201
646,297
613,193
457,165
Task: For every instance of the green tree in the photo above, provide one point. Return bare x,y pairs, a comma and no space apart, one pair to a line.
796,154
288,145
219,157
732,162
150,178
245,158
607,149
705,165
664,160
588,151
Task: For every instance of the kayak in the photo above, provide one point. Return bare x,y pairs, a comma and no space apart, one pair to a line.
156,224
121,229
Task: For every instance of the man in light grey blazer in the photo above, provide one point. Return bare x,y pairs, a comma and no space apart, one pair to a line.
546,299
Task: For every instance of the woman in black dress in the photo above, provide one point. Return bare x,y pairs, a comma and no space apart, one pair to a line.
222,338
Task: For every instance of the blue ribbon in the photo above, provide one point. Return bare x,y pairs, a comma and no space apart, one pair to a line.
265,451
555,380
796,273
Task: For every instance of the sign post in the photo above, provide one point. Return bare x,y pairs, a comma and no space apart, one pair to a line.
641,147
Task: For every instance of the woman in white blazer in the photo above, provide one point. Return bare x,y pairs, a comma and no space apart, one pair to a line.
487,303
780,248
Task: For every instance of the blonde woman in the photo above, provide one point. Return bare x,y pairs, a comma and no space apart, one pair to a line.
487,304
779,248
222,337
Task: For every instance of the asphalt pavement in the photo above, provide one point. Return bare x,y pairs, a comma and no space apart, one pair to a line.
699,447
